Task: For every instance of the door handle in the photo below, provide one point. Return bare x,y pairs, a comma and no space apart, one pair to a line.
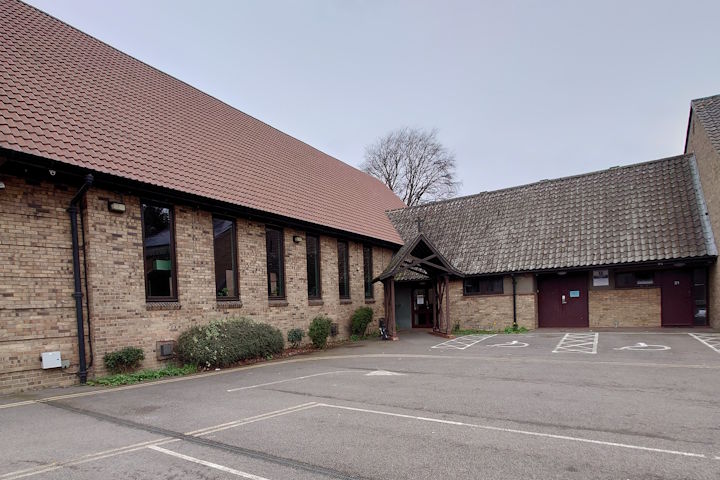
564,300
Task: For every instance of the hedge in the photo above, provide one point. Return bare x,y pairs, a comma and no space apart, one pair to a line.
319,331
360,320
124,360
225,342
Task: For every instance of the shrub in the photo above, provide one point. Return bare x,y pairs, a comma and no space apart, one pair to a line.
223,342
124,360
360,320
295,336
319,331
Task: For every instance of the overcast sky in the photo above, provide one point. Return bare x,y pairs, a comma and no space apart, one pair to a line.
520,91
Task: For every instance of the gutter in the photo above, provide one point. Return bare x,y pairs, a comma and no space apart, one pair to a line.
77,293
514,284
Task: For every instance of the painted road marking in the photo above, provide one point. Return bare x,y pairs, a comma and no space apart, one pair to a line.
523,432
578,343
513,344
461,343
382,373
216,466
711,340
160,441
642,346
335,372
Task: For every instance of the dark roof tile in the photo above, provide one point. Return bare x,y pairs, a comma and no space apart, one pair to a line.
651,211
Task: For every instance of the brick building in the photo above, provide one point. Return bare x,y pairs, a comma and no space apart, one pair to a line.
625,247
133,206
195,211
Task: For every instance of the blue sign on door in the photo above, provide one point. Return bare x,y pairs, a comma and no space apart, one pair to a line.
574,293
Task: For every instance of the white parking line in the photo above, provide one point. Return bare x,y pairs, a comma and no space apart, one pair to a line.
461,343
711,340
578,343
523,432
28,472
291,380
216,466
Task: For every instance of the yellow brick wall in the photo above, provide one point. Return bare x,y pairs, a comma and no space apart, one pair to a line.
628,307
37,310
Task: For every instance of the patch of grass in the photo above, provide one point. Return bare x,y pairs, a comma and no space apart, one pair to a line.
367,336
472,331
142,376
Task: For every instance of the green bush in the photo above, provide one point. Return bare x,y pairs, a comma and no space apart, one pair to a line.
295,336
125,360
319,331
227,341
360,320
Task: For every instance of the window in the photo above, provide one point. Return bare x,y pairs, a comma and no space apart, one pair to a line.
343,269
159,252
483,286
275,265
312,248
225,250
634,279
367,271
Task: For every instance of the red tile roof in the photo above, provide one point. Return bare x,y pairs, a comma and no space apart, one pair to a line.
69,97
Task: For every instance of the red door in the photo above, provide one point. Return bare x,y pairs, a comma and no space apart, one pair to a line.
677,299
563,300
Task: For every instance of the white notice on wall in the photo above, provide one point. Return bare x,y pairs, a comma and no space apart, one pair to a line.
421,300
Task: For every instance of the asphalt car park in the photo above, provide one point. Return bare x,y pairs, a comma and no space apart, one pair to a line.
546,404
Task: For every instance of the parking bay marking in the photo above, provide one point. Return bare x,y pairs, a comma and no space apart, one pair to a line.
523,432
159,441
461,343
711,340
205,463
578,343
642,346
513,344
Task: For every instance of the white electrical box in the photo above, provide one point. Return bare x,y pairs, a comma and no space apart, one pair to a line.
51,360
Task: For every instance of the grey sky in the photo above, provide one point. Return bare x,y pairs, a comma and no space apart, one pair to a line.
520,91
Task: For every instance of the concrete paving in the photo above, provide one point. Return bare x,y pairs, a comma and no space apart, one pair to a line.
546,404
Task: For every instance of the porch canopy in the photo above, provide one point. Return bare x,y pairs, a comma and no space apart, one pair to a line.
419,258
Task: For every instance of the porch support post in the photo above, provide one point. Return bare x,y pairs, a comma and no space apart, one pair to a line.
447,304
435,304
392,331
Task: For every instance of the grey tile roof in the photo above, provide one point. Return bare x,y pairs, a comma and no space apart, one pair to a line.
651,211
708,111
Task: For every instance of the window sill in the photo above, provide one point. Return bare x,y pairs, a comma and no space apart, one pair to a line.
369,301
229,303
162,305
315,302
345,301
278,303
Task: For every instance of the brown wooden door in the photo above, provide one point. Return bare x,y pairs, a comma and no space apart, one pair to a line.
562,301
421,308
677,299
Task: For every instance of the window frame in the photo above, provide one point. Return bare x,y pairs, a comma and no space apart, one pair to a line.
635,284
281,257
368,270
234,248
173,256
347,269
319,266
491,278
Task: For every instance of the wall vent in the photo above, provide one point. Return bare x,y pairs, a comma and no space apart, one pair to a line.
165,349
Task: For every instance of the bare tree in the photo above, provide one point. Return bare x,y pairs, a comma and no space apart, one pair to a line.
413,164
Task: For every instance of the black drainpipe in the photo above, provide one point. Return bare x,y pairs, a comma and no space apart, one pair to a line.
77,294
514,284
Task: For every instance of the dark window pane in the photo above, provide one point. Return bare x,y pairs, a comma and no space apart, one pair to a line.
367,271
225,258
313,266
483,286
275,268
159,243
634,279
343,270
